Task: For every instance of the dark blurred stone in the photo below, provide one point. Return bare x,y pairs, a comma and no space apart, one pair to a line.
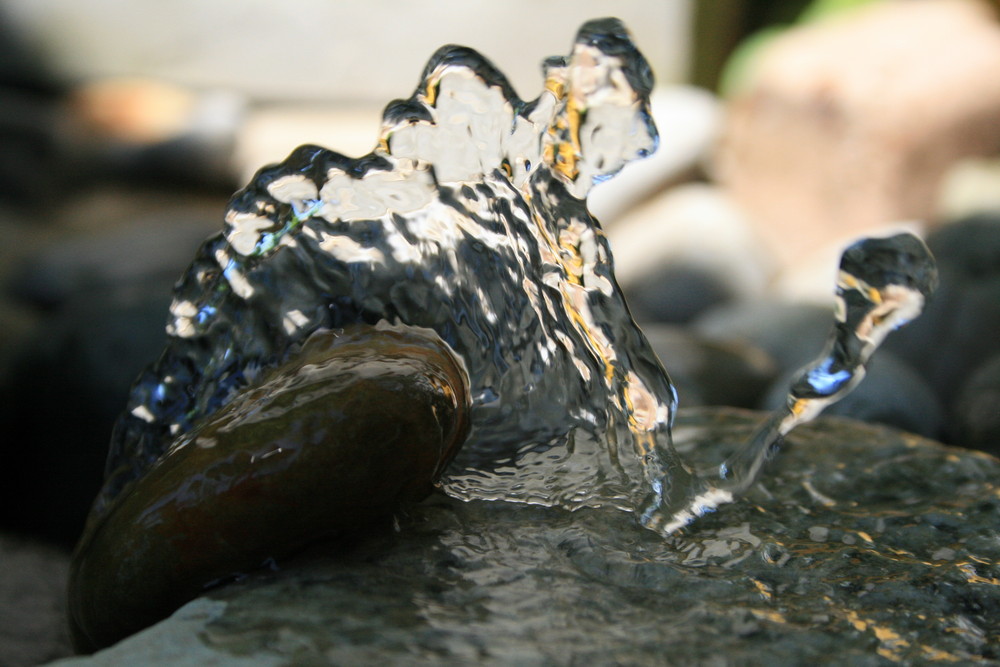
892,393
970,247
66,378
190,162
19,325
675,294
977,410
133,129
29,96
958,329
152,249
29,166
793,334
33,625
65,386
861,545
708,372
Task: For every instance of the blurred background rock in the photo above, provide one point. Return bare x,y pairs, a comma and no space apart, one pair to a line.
788,128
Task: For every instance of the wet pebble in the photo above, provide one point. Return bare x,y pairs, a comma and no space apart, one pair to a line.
711,372
977,410
353,425
958,331
793,334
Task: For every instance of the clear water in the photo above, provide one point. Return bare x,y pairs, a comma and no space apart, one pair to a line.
469,218
839,556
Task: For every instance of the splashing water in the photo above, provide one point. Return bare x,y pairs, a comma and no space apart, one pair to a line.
883,283
469,219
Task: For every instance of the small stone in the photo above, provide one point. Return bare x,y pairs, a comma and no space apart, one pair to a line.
819,533
710,372
977,410
791,333
944,553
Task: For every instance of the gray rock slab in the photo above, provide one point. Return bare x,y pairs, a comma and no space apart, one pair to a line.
32,602
863,545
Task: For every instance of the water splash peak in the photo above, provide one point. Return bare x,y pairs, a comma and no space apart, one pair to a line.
469,220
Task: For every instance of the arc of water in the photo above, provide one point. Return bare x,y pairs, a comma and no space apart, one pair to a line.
883,283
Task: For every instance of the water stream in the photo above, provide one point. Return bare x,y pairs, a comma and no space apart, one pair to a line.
468,219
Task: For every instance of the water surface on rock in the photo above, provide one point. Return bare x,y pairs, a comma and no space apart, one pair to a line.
864,546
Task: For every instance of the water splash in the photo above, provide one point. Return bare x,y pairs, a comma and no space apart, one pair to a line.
468,219
882,284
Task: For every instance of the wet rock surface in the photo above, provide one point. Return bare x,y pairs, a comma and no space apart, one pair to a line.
863,546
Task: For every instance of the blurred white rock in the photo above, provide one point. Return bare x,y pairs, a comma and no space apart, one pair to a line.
810,276
695,225
270,132
970,186
689,120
